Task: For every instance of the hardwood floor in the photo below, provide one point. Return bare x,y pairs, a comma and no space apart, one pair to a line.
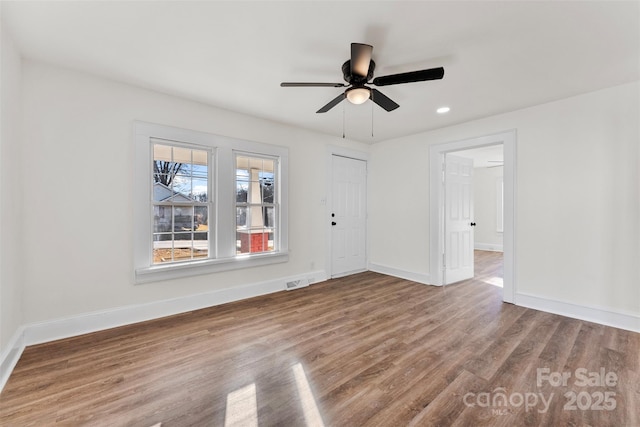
367,349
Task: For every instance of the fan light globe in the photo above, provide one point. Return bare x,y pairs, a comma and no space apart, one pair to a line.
358,95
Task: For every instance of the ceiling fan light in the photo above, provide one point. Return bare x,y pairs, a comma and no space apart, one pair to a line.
358,95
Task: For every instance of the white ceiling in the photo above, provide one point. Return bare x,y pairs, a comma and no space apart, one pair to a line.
498,56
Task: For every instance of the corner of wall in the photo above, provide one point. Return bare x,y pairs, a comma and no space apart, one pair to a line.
11,301
10,356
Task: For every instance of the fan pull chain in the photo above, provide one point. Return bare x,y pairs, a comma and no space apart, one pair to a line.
343,120
371,119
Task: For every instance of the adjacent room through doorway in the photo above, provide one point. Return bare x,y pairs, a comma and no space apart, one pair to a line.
474,238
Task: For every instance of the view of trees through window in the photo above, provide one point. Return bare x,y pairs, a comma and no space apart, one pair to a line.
180,203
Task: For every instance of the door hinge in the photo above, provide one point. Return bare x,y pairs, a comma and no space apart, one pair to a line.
444,261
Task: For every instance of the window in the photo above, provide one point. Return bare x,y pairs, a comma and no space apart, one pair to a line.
205,203
181,203
256,204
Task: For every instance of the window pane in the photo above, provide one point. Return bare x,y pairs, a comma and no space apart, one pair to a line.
268,215
163,237
242,190
160,191
181,253
162,248
242,247
163,172
268,165
199,171
162,255
182,155
241,216
182,239
200,245
242,175
162,152
199,190
161,219
183,218
200,159
201,218
267,188
181,186
252,241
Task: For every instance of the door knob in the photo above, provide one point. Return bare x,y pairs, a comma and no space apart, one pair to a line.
333,223
473,224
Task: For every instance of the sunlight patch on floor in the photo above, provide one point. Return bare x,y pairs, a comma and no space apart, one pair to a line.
242,409
493,281
309,407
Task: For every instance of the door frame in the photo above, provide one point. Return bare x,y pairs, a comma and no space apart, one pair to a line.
334,150
436,205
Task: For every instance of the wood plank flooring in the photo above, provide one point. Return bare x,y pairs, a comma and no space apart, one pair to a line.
364,350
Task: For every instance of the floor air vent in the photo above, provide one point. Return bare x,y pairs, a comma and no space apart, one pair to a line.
295,284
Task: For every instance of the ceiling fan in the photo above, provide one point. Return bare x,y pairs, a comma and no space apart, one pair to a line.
358,72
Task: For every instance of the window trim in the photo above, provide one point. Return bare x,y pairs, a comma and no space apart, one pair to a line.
223,189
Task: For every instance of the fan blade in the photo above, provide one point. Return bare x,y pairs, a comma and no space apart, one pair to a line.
293,84
383,100
335,101
410,77
360,59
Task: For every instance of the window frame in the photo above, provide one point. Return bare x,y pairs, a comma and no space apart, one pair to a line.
222,190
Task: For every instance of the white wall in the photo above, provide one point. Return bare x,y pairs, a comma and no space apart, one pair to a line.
577,236
485,204
11,222
79,200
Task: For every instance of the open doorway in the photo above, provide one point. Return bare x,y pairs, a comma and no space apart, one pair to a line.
437,153
481,219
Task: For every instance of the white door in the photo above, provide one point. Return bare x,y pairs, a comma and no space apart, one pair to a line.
348,216
458,224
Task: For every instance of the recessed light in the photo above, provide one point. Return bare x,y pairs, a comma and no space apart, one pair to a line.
443,110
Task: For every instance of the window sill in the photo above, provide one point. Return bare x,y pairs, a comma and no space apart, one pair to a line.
178,270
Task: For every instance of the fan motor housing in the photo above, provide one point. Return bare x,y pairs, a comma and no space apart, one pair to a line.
357,80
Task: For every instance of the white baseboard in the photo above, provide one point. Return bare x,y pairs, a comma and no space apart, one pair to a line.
9,358
36,333
41,332
402,274
604,316
493,247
